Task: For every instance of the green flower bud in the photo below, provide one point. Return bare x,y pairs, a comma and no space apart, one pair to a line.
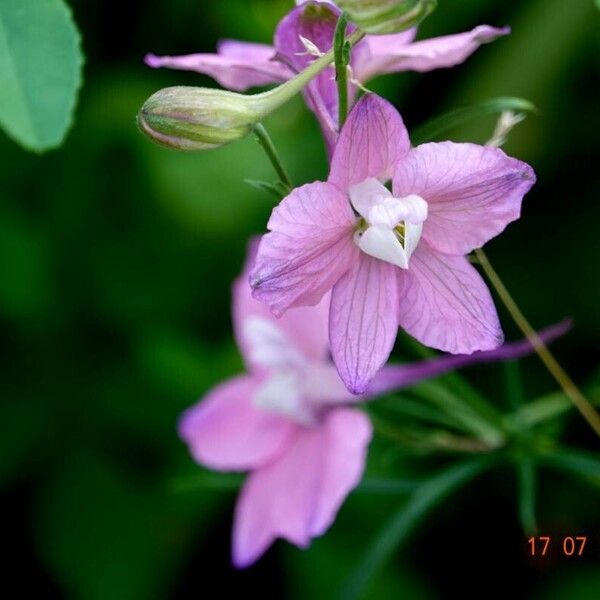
192,118
387,16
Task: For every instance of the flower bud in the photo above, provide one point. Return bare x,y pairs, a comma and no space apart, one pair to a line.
387,16
192,118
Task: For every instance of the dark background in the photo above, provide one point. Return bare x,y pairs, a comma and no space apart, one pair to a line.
116,258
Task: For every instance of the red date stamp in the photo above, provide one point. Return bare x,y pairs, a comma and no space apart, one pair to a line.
544,545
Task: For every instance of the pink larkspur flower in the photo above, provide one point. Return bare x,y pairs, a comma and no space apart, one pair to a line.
392,258
287,422
241,65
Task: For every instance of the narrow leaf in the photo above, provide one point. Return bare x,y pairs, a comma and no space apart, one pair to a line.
444,123
40,71
578,462
401,525
276,189
527,494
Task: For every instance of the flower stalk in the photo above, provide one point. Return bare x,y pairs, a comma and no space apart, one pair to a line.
342,59
582,404
264,139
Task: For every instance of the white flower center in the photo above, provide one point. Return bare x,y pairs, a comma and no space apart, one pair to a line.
390,227
283,391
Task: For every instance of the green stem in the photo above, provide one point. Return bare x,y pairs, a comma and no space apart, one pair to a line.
264,139
341,68
267,102
568,385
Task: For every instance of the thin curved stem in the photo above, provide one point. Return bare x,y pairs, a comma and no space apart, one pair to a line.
582,404
264,139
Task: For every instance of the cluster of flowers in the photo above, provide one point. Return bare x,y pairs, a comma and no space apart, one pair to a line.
345,263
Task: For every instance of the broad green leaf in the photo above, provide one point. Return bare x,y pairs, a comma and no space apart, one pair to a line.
40,71
401,525
444,123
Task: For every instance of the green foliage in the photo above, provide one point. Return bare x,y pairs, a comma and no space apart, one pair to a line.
438,127
40,71
397,529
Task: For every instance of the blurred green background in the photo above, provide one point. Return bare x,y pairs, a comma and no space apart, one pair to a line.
116,259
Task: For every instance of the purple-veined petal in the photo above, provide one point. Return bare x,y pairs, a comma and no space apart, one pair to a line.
308,249
305,327
322,387
236,65
226,432
315,22
373,50
445,304
370,145
363,321
473,192
396,377
297,496
425,55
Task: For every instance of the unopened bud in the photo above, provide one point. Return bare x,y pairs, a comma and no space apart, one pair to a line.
387,16
192,118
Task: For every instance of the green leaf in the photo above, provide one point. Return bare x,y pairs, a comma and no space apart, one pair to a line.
527,494
401,525
444,123
546,408
276,188
584,464
40,71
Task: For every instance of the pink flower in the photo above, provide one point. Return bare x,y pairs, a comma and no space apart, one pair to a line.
241,65
284,421
392,258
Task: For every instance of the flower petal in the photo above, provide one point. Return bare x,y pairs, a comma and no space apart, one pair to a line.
367,194
297,496
426,55
473,192
445,304
236,66
309,248
225,431
315,22
363,321
305,328
396,377
372,142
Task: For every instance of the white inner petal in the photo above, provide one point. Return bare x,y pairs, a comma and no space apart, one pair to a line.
393,225
269,346
380,242
282,394
283,391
